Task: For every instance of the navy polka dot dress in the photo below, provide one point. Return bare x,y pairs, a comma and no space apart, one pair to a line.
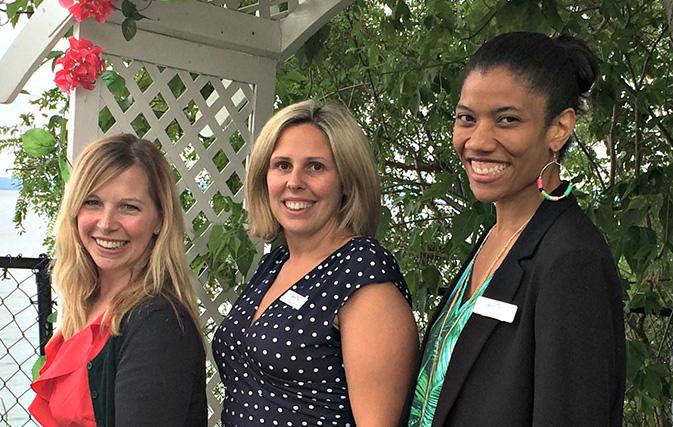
286,369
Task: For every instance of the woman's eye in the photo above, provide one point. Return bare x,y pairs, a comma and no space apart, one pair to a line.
91,203
464,117
509,119
317,167
282,166
130,207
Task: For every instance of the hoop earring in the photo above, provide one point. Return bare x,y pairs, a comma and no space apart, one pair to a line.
546,195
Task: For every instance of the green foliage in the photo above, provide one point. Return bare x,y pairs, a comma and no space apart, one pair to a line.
37,142
230,250
37,367
41,163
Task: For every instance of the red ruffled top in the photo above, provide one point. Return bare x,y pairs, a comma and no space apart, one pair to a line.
63,396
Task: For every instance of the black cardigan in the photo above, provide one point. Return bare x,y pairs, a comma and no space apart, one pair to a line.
562,360
153,372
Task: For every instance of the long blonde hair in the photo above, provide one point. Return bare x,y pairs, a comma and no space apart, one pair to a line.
360,210
161,271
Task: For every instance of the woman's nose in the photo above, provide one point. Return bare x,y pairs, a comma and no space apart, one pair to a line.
482,137
108,220
296,179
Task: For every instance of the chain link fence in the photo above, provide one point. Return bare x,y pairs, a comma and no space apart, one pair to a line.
25,306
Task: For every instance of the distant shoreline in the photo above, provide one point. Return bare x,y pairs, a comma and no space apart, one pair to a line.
10,184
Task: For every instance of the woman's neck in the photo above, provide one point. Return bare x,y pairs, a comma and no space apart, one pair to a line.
315,249
513,212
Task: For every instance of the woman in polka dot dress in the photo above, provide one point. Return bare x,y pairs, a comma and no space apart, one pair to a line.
323,335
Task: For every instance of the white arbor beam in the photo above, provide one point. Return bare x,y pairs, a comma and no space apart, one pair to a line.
42,31
174,52
210,25
306,20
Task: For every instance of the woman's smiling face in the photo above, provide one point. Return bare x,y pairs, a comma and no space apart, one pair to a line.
304,185
117,222
500,135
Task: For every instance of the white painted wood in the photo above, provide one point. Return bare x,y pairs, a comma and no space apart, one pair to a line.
83,123
265,92
306,20
42,31
264,9
176,53
210,25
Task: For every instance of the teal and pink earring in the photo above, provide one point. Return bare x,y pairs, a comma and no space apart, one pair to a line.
546,195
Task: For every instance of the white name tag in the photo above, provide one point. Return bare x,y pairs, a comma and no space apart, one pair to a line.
293,299
495,309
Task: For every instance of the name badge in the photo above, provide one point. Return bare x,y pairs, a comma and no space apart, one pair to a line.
495,309
293,299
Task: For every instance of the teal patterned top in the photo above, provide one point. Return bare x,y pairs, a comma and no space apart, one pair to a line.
443,336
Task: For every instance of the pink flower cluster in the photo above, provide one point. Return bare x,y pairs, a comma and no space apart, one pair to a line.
82,9
82,65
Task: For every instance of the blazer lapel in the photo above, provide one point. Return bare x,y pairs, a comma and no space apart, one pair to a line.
506,280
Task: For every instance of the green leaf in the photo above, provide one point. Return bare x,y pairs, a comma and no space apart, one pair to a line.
384,223
129,9
53,316
440,188
129,28
431,278
550,13
652,382
37,142
64,168
244,261
114,82
15,7
216,238
636,355
39,363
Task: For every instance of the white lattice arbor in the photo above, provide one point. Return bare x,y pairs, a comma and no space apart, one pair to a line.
200,77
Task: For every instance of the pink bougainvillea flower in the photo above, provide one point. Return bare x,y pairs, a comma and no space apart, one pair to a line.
82,65
82,9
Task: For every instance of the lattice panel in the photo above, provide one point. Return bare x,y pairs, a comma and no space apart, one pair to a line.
203,124
270,9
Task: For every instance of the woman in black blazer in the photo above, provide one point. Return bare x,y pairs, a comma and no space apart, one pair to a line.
530,333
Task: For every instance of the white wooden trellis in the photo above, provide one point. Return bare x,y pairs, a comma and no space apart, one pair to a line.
230,47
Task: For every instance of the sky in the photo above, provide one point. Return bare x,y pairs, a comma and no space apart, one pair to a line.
9,113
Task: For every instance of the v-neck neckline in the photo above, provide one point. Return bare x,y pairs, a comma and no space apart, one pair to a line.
295,285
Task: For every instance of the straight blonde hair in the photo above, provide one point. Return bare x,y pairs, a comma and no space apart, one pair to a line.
161,271
360,209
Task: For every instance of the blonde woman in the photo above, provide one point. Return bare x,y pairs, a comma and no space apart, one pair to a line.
129,351
323,334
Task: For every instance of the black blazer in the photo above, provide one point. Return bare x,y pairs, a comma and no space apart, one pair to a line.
561,362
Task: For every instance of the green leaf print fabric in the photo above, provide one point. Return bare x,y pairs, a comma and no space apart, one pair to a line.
437,355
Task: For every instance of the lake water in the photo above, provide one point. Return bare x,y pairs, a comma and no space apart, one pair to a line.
18,325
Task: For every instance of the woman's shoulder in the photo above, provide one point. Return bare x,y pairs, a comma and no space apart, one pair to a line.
576,229
367,247
363,260
156,309
573,237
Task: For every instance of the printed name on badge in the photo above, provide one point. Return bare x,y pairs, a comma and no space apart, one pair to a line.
495,309
293,299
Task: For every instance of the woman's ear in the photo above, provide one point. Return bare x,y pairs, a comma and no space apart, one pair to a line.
560,129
